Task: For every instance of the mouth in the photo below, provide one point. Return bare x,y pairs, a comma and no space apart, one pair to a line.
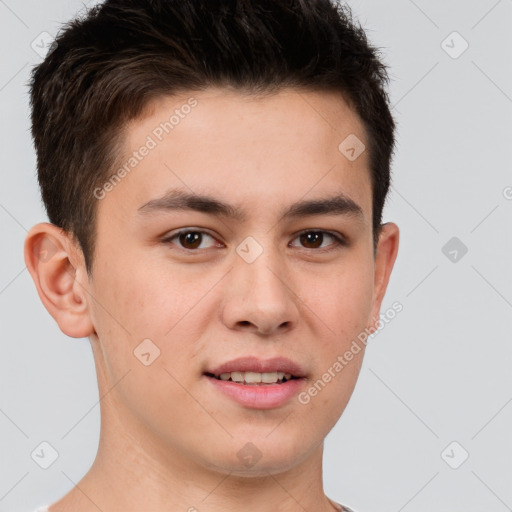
254,378
258,383
251,370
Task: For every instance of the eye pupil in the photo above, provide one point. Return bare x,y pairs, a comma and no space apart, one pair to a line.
311,237
191,238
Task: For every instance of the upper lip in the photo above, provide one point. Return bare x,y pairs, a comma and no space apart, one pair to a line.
254,364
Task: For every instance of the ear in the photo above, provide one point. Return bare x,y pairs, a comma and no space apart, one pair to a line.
58,271
387,250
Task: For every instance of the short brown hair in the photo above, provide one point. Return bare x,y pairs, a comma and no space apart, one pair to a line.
107,65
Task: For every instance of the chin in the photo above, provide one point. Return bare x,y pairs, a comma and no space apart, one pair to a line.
258,456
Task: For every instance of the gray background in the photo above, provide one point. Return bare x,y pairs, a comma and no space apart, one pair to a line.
438,373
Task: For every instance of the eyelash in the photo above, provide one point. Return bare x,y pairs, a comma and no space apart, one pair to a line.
339,240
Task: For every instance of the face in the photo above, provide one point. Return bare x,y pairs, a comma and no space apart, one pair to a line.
184,287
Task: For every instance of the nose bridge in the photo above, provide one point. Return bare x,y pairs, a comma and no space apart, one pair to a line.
259,291
260,265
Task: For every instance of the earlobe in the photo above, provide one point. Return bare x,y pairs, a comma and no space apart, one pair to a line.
387,251
50,257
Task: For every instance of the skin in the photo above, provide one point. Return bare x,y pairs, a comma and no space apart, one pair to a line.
164,428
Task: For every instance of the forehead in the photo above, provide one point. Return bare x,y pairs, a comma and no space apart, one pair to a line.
249,151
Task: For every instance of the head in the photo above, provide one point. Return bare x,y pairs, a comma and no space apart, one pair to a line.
150,117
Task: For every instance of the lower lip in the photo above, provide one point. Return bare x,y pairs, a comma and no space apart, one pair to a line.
259,396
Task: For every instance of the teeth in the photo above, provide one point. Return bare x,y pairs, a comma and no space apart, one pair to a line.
252,377
237,376
269,377
255,377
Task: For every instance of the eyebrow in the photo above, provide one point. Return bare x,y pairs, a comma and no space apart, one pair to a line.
173,200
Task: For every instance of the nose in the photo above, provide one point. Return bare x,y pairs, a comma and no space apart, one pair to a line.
260,296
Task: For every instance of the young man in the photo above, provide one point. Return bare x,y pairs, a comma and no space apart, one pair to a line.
214,174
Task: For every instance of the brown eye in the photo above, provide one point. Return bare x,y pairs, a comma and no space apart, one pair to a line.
315,239
189,240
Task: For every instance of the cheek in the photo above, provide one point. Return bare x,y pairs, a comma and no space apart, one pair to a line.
343,299
144,299
343,302
155,303
135,304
